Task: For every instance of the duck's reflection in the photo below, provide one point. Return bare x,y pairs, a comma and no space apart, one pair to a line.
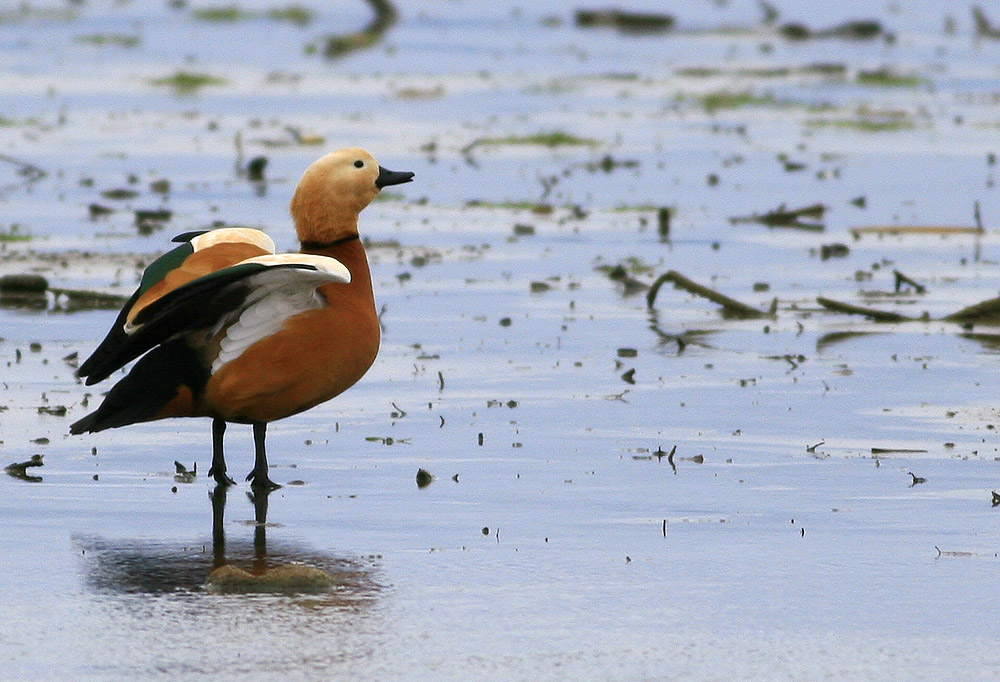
229,566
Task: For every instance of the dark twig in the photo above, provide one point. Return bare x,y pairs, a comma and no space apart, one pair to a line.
987,308
788,217
851,309
19,469
902,279
857,232
729,305
984,28
385,17
30,172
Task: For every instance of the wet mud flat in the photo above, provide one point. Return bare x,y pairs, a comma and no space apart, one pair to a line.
674,380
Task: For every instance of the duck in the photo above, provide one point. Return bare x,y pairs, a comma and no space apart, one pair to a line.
225,328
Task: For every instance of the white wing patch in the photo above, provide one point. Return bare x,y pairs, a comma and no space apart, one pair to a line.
246,235
276,295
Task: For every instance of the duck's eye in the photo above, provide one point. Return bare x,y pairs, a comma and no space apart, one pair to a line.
359,164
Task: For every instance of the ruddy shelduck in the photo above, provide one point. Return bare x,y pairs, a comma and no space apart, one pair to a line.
228,329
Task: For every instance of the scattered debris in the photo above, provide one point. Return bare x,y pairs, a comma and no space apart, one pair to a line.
902,279
81,299
805,218
149,220
98,210
835,250
187,82
608,163
183,475
941,553
119,194
984,27
663,223
385,18
30,172
849,30
19,469
888,78
424,478
627,22
858,232
23,284
872,313
551,140
619,273
255,168
729,305
988,308
161,186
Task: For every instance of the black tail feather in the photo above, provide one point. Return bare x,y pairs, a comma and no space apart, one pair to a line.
115,338
151,384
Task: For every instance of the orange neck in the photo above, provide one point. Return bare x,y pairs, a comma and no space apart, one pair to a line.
350,252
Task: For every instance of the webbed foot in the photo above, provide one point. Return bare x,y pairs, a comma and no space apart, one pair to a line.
220,476
261,481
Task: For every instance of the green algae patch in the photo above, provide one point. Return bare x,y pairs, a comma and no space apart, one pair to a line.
864,125
292,14
551,140
887,78
186,82
222,14
728,100
14,234
109,40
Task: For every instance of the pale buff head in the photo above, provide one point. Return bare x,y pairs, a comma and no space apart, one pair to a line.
334,190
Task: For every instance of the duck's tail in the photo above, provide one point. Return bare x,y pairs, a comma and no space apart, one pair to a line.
166,382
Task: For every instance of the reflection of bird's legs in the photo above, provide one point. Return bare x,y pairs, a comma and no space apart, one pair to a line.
259,498
218,524
258,478
218,470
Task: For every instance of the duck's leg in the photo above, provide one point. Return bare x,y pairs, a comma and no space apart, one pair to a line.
258,477
218,470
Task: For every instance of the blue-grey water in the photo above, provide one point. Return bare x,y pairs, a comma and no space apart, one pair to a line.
788,540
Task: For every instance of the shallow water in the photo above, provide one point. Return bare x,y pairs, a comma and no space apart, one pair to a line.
555,541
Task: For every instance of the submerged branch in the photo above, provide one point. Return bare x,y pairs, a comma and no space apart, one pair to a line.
857,232
987,308
385,17
729,305
851,309
788,217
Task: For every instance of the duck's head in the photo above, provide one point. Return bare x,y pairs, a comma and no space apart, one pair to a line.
334,190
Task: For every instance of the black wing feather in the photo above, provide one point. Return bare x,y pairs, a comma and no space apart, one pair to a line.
199,304
144,391
116,336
